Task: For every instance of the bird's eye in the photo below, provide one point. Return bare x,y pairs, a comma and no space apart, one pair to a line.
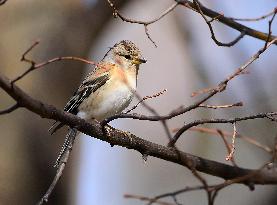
127,57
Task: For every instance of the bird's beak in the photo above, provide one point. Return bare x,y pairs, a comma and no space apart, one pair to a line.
138,61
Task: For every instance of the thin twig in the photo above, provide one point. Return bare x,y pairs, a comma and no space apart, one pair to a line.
205,185
270,28
233,42
71,134
149,108
192,166
274,153
155,113
229,134
222,106
219,88
229,150
241,70
39,65
212,121
148,36
10,109
144,23
213,189
244,178
256,18
2,2
24,58
232,152
202,91
144,198
146,98
35,65
227,21
175,193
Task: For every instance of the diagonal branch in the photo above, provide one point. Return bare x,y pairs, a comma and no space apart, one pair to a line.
144,23
209,23
217,131
211,92
187,126
34,65
10,109
256,18
221,134
227,21
117,137
3,2
71,135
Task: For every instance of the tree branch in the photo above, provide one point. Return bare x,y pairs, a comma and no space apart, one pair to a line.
3,2
227,21
64,158
211,92
209,23
187,126
34,65
9,109
130,141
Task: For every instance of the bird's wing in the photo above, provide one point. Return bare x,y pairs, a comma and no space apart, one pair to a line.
86,88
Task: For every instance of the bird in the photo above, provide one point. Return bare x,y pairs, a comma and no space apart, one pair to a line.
107,90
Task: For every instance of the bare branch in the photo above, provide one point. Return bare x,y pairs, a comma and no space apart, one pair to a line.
143,198
144,23
10,109
222,106
227,146
232,152
237,39
183,109
3,2
213,189
227,21
270,28
255,19
35,65
148,36
241,70
228,134
244,178
149,108
212,121
274,153
64,158
175,193
155,113
146,98
204,11
23,58
117,137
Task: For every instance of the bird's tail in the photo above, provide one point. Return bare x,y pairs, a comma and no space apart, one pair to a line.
66,147
56,125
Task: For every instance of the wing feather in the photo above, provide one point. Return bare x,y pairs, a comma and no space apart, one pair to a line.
84,91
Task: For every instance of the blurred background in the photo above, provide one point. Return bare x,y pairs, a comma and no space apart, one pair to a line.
185,60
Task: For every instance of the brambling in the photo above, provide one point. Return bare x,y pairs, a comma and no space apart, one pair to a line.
108,89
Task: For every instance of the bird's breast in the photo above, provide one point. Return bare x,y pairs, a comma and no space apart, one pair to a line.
110,99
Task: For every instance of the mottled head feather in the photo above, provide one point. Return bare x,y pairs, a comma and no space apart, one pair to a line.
126,47
128,50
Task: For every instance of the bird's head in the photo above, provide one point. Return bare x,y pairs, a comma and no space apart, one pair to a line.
126,53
